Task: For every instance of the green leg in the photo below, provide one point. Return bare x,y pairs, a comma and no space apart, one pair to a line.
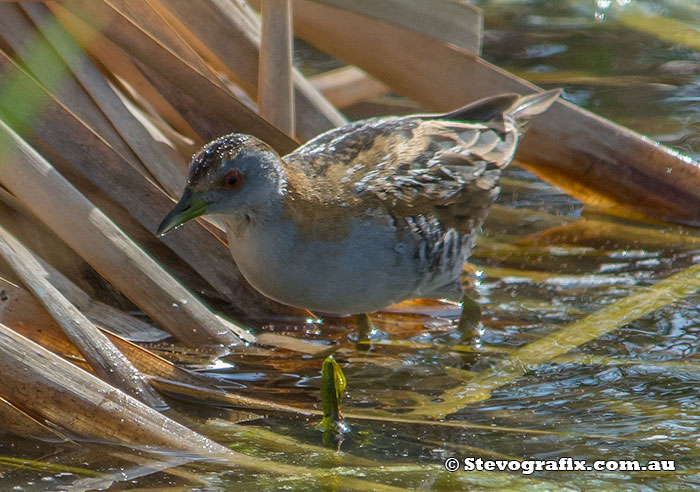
364,328
470,319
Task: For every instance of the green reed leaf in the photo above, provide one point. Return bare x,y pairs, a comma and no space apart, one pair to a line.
333,384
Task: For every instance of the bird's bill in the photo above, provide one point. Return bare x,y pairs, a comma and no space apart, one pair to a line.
189,207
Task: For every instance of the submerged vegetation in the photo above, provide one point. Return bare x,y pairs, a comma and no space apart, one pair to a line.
589,330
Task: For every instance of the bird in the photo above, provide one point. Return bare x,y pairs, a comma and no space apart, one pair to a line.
363,216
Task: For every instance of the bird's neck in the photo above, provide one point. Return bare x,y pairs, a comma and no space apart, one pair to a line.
307,207
253,219
297,185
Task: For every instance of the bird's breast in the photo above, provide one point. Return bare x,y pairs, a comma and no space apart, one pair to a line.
368,268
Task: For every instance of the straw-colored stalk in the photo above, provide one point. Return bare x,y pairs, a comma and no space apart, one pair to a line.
275,88
104,358
97,239
347,86
227,34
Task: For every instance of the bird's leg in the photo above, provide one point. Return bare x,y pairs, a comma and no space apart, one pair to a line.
364,328
470,318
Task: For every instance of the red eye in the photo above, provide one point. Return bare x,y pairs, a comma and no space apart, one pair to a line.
232,179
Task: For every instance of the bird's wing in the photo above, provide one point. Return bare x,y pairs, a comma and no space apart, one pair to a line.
411,166
446,165
450,169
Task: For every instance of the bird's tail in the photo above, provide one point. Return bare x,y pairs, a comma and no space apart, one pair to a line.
521,109
527,108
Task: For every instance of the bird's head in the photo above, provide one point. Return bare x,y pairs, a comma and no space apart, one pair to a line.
235,175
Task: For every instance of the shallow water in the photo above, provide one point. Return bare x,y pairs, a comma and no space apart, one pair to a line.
543,262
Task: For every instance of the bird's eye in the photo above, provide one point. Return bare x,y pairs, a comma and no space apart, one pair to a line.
232,179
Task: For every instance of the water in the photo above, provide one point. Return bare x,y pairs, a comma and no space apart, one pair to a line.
543,262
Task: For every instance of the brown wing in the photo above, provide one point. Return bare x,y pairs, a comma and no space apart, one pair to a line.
415,165
448,169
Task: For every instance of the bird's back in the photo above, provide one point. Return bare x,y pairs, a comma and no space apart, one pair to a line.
442,165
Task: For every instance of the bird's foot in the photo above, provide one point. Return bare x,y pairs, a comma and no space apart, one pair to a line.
470,320
364,329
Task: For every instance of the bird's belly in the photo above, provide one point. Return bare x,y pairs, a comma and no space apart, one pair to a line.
365,271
